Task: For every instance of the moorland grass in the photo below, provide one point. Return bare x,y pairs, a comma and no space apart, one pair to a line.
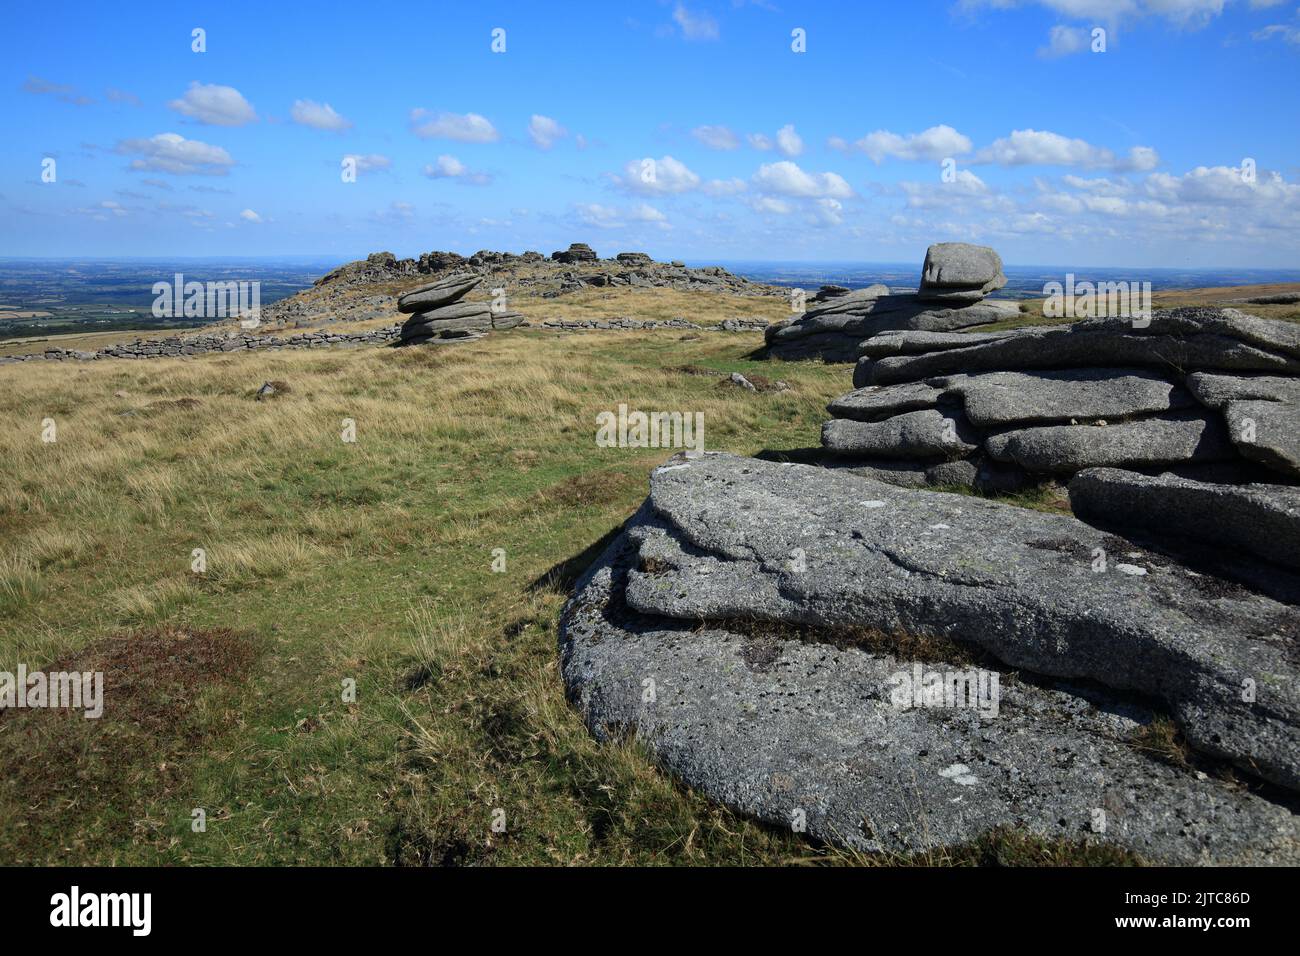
330,562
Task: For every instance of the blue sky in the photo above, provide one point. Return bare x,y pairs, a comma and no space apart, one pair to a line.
687,130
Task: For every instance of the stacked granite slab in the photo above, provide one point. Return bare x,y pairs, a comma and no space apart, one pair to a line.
577,252
437,313
754,622
1206,393
955,278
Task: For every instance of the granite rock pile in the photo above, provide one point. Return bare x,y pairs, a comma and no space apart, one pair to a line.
817,643
955,278
577,252
1205,393
437,313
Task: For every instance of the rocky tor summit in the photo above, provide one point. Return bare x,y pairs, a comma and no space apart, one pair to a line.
900,669
955,279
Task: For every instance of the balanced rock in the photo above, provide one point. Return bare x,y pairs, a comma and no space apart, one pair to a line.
442,292
955,279
960,272
772,604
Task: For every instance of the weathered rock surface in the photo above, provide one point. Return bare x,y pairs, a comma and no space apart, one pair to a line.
428,297
835,332
1147,442
960,271
928,433
1192,388
1017,583
577,252
1186,339
955,278
798,719
1002,398
1263,415
1257,519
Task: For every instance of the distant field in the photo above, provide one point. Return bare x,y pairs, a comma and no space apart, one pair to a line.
1225,296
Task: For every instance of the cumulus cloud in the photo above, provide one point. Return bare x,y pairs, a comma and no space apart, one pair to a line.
545,132
1028,147
318,116
610,217
369,162
466,128
759,141
173,153
788,141
449,167
787,179
215,105
770,204
658,177
695,26
716,137
249,216
725,187
936,143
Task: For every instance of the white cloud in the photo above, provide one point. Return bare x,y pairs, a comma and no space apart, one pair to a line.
1183,13
716,137
646,213
788,141
695,26
826,212
449,167
318,116
369,162
249,216
545,132
759,142
770,204
1288,34
173,153
1063,41
215,105
467,128
1028,147
936,143
1100,187
725,187
787,179
658,177
101,211
609,217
